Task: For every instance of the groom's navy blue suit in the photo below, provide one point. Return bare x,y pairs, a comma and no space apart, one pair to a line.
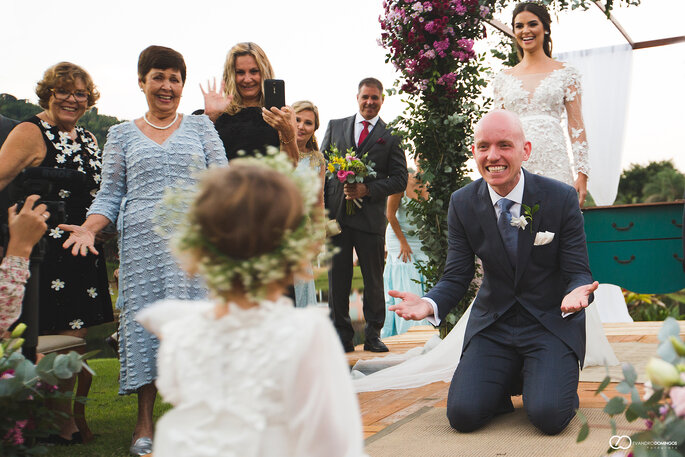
516,325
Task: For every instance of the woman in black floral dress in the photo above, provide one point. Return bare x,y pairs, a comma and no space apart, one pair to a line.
73,291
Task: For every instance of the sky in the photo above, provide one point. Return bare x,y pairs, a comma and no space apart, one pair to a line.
321,48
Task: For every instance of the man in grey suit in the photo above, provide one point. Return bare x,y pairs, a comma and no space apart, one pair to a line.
364,230
527,323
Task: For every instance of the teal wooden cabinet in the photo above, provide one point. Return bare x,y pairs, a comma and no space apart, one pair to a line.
638,247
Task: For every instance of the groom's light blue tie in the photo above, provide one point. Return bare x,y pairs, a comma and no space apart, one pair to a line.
508,232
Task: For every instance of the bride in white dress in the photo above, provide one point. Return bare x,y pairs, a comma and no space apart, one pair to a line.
542,91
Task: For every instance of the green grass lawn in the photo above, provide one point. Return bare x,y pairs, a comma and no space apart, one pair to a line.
111,417
321,279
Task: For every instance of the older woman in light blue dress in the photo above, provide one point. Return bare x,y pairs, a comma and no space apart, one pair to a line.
307,121
404,250
141,158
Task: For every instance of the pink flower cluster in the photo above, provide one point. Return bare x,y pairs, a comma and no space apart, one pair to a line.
15,435
50,388
447,79
430,38
342,175
7,374
677,395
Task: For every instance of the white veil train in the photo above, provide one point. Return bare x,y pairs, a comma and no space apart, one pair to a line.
438,364
438,361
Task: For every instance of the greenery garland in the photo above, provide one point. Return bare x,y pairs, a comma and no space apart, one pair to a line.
431,44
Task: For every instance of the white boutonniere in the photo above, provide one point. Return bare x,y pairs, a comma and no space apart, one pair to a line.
526,217
519,222
542,238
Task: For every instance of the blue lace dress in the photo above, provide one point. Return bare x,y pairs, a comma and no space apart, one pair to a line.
399,275
136,170
305,290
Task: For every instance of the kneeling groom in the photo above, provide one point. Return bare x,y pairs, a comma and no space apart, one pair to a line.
528,319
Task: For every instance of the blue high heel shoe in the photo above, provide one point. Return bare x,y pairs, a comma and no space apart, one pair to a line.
142,446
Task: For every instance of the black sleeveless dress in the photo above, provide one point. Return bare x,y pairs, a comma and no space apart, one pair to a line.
73,290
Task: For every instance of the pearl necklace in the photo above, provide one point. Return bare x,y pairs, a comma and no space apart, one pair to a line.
157,126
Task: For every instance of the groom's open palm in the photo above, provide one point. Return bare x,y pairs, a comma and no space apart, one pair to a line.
412,307
578,298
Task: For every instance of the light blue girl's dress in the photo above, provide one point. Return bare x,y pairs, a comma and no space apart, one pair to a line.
305,290
136,170
399,275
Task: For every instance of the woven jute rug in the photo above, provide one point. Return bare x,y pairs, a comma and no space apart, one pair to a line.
427,433
638,354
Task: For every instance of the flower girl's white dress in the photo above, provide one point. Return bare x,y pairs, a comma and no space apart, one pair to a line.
261,382
541,101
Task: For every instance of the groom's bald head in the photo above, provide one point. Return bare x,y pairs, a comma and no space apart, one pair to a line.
499,148
500,116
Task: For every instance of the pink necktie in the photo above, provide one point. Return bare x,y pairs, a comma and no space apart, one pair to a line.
364,134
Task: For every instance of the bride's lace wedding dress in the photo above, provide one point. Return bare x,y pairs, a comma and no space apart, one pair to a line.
542,101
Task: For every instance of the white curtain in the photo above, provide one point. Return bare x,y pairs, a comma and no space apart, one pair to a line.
606,80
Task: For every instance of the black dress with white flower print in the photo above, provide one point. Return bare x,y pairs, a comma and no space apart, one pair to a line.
74,292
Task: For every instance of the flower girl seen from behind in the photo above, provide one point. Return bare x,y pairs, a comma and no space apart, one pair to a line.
248,374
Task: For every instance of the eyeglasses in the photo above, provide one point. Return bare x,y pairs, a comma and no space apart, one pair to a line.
63,94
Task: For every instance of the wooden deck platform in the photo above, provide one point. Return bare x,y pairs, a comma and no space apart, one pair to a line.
384,408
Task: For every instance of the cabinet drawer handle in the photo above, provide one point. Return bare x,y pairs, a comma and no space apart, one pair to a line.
676,224
679,259
624,262
622,229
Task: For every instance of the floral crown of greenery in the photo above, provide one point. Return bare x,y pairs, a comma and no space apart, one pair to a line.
225,274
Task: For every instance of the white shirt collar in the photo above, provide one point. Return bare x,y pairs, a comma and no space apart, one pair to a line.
359,118
516,194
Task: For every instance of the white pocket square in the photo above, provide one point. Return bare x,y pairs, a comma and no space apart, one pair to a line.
542,238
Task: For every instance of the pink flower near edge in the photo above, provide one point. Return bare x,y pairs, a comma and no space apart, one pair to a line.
15,435
677,395
7,374
342,175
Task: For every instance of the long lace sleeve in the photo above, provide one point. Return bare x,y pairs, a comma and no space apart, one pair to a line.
113,187
323,411
14,272
576,127
215,155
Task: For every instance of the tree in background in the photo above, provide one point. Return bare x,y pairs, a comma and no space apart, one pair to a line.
666,186
98,124
655,182
17,109
95,123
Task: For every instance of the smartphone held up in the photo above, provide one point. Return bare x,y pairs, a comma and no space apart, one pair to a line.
274,93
